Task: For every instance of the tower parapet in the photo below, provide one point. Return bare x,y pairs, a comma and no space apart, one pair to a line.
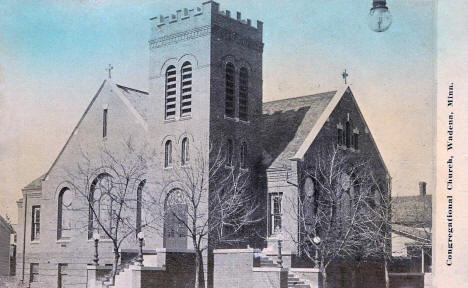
209,12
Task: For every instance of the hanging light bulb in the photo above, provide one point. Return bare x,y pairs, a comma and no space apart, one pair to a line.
380,18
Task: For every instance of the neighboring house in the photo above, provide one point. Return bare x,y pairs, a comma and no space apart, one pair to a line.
5,236
412,239
205,85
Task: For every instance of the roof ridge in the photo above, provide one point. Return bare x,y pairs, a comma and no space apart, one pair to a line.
299,97
133,89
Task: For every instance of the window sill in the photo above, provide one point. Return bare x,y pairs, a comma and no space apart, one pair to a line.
185,118
106,240
63,240
170,120
231,118
168,168
244,121
351,149
35,241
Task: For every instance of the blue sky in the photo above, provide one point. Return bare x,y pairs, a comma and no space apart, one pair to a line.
53,56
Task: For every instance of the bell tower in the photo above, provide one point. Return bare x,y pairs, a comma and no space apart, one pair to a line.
205,77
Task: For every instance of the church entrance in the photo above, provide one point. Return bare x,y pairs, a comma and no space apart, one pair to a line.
175,220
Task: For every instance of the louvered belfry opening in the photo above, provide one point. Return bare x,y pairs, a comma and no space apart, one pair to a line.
229,101
170,92
186,91
243,94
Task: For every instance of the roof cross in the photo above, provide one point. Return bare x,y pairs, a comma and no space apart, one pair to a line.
345,76
109,69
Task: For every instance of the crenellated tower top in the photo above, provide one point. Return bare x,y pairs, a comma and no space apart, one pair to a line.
208,7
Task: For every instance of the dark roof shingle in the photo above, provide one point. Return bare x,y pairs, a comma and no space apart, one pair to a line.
139,99
287,122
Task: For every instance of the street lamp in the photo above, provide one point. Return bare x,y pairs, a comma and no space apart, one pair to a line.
380,18
141,237
96,238
316,241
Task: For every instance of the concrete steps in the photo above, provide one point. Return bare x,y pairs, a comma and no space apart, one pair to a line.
293,281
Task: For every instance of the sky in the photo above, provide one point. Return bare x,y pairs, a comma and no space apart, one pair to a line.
53,56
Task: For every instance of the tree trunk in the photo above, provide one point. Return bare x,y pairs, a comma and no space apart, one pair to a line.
323,272
115,264
387,279
199,271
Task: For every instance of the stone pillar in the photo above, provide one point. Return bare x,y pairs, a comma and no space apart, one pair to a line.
92,282
136,276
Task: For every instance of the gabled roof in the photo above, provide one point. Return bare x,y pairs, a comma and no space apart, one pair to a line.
131,98
293,124
288,122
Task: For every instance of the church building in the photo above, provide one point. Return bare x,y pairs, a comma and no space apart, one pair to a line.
205,86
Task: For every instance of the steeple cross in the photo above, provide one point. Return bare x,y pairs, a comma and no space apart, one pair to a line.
109,69
345,76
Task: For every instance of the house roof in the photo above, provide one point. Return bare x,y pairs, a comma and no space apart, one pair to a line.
6,225
288,122
413,211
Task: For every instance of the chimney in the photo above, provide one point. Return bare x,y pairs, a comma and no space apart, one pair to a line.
422,188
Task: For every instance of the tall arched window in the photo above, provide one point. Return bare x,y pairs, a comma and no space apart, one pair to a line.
230,84
185,151
170,92
229,152
348,134
101,206
64,217
186,90
243,155
168,153
244,94
139,205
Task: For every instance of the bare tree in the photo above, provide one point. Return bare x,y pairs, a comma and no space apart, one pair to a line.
334,211
416,225
212,204
106,184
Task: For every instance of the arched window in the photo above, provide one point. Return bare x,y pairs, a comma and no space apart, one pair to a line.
340,134
139,205
168,153
244,94
243,155
230,84
309,204
229,152
170,92
64,217
348,134
186,90
356,140
101,206
185,151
